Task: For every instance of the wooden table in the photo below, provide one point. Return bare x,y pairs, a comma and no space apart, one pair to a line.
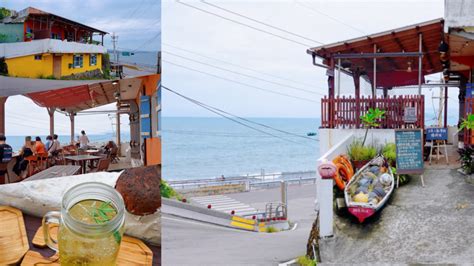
33,223
55,171
82,159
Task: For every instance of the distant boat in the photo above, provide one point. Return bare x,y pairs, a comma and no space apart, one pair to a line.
310,134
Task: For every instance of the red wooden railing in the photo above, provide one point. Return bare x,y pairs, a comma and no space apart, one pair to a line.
345,112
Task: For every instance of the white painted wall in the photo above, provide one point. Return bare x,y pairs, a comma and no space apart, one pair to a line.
458,14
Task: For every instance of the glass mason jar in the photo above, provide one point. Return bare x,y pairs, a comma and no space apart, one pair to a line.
81,243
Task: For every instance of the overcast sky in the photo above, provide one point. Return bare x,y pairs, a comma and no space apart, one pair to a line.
137,23
322,21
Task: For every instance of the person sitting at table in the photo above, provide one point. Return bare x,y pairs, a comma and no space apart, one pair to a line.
55,146
83,140
39,146
6,154
22,163
49,142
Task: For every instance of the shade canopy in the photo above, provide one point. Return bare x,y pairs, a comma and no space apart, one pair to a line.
394,70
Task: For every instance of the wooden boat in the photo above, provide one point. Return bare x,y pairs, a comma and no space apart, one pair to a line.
362,202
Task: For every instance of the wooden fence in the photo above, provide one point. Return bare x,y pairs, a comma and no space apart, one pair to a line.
345,112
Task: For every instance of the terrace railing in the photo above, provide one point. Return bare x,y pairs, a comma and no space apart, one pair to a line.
345,112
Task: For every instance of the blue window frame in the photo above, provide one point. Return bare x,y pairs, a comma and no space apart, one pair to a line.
145,120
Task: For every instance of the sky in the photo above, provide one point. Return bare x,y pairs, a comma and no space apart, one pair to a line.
138,25
283,62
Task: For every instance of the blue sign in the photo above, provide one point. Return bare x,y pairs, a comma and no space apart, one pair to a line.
409,143
436,133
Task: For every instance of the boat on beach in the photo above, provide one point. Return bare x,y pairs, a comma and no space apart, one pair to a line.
369,189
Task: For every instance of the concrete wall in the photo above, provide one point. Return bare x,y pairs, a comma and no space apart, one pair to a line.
69,59
11,33
328,138
458,14
28,67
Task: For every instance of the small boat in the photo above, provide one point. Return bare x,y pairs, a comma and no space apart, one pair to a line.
310,134
369,188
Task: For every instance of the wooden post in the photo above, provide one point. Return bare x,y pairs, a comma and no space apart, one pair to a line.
331,92
445,107
3,100
118,132
420,61
374,82
71,118
51,120
356,77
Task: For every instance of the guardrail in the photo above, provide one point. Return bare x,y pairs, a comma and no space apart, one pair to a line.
250,181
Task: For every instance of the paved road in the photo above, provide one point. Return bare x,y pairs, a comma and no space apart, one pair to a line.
189,242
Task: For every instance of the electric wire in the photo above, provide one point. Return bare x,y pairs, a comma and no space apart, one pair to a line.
243,74
259,21
243,24
236,65
242,83
328,16
223,114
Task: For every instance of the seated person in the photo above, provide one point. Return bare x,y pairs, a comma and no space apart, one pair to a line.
6,152
55,146
26,151
39,146
49,142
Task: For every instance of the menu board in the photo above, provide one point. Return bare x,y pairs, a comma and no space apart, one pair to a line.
409,143
436,133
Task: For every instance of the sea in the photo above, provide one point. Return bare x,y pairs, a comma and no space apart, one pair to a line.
209,147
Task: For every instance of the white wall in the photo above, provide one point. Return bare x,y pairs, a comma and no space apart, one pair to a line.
458,14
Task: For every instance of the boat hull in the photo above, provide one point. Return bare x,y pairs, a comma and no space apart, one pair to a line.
361,213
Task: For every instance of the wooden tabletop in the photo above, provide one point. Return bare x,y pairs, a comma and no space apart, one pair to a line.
83,157
33,223
55,171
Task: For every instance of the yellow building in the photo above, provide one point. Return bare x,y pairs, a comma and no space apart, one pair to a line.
40,44
49,58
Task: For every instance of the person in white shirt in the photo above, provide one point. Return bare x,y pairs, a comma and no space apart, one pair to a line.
83,140
55,146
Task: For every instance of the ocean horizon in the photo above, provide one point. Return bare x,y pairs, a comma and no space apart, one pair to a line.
209,147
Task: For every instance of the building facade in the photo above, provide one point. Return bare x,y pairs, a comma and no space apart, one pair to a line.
38,44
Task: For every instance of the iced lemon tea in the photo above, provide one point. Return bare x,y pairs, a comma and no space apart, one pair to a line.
91,225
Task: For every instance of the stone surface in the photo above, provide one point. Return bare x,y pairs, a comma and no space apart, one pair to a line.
433,224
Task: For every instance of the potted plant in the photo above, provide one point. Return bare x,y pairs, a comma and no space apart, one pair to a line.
371,119
468,124
359,154
389,151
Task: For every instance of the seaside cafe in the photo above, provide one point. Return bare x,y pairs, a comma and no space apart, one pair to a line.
138,96
396,62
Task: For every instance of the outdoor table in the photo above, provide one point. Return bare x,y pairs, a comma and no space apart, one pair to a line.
33,223
92,151
82,159
55,171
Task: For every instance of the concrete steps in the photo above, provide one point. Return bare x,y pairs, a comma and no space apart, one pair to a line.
224,204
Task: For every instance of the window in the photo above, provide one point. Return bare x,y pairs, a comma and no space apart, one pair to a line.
78,61
93,60
38,57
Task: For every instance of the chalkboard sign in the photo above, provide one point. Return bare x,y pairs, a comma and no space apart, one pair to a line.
436,133
409,143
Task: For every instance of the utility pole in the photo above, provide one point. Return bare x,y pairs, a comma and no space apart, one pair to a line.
114,43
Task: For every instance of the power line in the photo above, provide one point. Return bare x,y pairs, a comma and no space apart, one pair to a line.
242,83
328,16
223,113
242,74
260,22
229,118
243,24
147,42
236,65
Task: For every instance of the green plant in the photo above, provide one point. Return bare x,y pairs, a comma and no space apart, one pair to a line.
403,179
168,192
305,261
389,151
358,152
371,119
467,123
4,13
465,157
271,229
